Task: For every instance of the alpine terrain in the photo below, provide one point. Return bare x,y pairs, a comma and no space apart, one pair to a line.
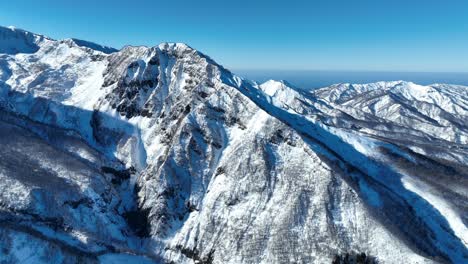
161,155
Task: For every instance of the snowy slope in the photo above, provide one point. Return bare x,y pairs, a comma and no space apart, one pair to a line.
167,156
14,40
388,168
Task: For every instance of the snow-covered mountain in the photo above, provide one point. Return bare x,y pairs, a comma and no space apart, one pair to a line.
160,155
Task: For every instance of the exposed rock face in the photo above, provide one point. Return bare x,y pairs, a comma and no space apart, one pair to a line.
353,258
161,155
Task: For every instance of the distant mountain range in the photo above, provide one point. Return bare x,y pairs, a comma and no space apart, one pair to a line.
314,79
161,155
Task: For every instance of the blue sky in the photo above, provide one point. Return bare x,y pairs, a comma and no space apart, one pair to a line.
396,35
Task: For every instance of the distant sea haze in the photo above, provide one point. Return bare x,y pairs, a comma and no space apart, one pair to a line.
317,79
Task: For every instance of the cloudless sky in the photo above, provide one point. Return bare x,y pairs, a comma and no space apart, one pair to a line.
385,35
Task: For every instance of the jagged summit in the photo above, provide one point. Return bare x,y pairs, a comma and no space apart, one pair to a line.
15,40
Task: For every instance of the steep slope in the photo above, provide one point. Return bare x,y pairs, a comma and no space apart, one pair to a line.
166,154
54,204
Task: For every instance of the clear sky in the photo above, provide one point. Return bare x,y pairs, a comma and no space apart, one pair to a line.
388,35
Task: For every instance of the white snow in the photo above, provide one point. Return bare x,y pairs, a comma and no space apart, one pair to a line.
453,218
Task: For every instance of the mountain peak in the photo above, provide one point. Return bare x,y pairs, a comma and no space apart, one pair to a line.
174,45
14,40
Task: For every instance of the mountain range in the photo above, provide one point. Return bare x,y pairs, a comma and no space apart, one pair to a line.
161,155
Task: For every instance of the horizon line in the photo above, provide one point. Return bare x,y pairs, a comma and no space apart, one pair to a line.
344,70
